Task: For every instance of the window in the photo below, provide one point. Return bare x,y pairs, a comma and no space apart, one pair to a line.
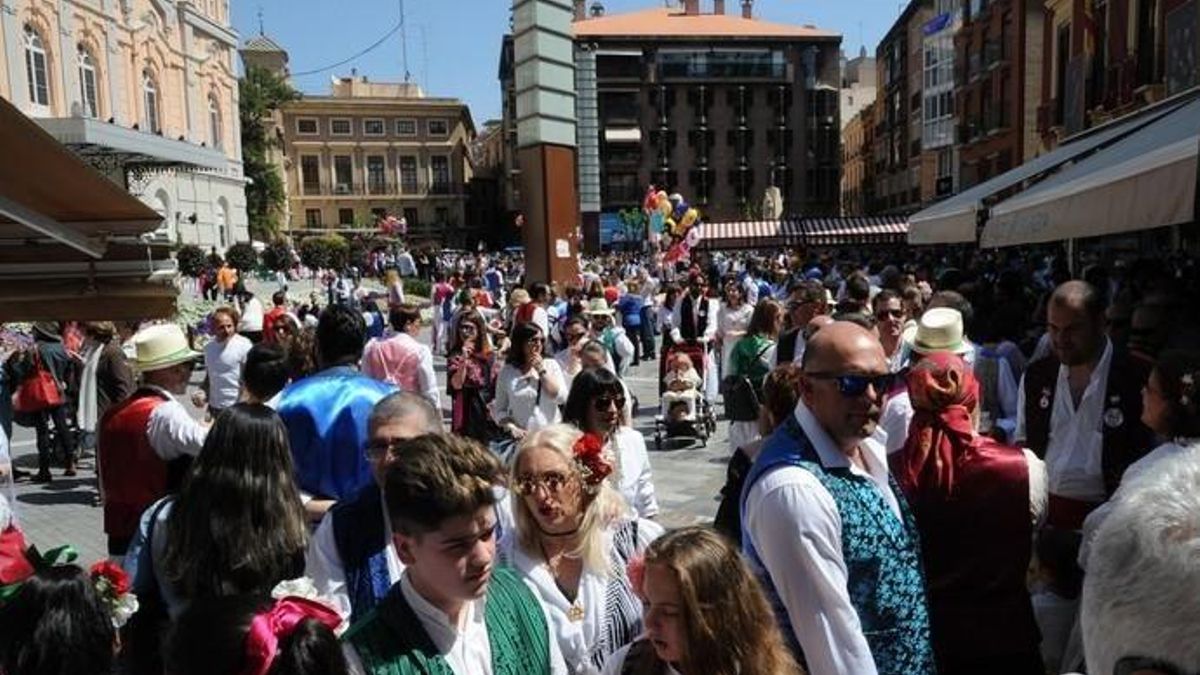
410,217
442,215
406,127
310,173
214,121
35,68
150,101
408,174
345,216
340,127
343,174
373,128
312,217
376,181
87,84
439,168
306,126
438,128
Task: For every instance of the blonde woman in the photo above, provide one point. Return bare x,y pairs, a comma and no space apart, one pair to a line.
574,538
704,611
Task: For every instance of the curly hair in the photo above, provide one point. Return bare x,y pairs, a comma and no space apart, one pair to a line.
442,476
729,626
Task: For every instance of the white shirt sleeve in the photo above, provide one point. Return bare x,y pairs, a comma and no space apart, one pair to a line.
173,433
555,372
1009,396
639,482
796,529
710,330
427,379
542,319
1018,435
677,320
323,565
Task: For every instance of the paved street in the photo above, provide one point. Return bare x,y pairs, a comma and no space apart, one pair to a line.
67,509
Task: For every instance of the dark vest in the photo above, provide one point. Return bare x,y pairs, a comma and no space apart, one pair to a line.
1126,439
358,532
886,586
692,325
976,547
786,351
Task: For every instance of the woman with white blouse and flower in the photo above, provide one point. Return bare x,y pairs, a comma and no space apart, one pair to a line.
574,538
529,388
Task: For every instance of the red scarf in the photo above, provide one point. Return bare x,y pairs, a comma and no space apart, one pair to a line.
941,435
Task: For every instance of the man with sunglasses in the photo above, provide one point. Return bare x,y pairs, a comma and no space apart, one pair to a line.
694,321
806,302
825,526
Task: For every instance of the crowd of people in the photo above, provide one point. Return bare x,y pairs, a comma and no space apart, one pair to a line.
969,463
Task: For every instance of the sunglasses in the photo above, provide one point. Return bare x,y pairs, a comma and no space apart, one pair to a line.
1128,665
552,481
603,402
853,386
884,314
383,447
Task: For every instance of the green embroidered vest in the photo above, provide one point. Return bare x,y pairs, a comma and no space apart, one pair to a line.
391,641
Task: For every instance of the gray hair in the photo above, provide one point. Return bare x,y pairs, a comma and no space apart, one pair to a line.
403,404
1143,573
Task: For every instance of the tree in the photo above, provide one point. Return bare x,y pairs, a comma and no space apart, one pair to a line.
242,257
328,251
191,260
277,256
261,93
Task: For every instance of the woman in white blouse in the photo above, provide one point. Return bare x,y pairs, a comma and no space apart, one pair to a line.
529,388
596,405
574,540
732,322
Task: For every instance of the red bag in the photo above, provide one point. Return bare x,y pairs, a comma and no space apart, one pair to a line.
39,391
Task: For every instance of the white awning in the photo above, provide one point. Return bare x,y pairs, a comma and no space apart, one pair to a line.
954,220
1145,180
622,135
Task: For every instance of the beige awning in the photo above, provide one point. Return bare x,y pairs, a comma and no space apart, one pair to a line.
70,239
1144,181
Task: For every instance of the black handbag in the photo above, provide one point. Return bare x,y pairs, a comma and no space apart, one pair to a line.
742,398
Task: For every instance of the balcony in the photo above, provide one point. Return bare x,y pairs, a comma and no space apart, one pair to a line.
379,187
444,188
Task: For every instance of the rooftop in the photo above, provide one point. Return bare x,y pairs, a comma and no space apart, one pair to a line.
262,43
673,22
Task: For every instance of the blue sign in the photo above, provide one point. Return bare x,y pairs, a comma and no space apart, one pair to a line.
936,24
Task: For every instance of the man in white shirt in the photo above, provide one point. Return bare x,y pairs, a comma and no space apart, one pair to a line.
223,359
694,320
451,596
251,323
402,360
825,528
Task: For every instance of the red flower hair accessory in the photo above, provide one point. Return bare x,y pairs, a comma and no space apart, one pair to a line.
635,569
593,465
112,585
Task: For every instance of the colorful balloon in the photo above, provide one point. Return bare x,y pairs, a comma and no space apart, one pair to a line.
664,207
693,237
689,218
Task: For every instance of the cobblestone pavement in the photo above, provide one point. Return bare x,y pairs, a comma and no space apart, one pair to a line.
687,481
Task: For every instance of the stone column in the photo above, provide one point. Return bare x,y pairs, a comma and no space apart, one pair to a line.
545,88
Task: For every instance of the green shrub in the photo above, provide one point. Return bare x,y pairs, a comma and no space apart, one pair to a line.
417,287
277,256
242,257
329,251
191,260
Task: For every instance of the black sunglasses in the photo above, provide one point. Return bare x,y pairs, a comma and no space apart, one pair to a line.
883,314
603,402
1128,665
852,386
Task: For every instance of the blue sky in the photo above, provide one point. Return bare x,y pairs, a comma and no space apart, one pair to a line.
454,45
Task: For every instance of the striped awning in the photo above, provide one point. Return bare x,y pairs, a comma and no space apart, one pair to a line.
855,230
743,234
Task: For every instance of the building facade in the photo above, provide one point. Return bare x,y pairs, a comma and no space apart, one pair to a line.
939,164
999,71
858,85
375,148
899,152
715,106
1120,56
146,92
858,162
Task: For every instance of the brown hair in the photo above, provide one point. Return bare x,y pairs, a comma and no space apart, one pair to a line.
399,317
766,318
729,627
781,391
441,476
227,311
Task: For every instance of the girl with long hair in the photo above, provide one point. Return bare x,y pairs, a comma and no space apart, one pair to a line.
529,388
574,539
752,358
704,612
469,378
56,623
596,405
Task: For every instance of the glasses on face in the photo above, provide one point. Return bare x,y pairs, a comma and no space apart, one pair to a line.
853,386
552,481
885,314
382,448
601,403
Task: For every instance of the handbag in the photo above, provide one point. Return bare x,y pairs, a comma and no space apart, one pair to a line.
742,399
39,390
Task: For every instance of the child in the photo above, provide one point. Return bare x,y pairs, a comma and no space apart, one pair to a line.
683,387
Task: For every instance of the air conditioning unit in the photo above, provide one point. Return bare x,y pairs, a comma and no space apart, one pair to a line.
341,189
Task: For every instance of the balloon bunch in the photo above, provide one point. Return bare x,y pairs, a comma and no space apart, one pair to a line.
391,225
671,215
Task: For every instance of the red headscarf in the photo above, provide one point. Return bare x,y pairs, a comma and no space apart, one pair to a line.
944,393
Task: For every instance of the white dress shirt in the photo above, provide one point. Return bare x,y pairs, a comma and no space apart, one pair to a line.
517,397
796,529
704,333
632,476
223,361
1076,442
172,431
466,646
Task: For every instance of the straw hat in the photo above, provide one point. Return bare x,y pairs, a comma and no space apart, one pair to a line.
598,307
161,346
940,330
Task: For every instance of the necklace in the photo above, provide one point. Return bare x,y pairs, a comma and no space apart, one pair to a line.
575,612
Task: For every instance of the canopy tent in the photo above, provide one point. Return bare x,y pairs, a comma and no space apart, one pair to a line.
1145,180
71,243
832,231
955,220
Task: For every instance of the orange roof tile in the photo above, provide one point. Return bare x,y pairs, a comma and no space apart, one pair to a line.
666,22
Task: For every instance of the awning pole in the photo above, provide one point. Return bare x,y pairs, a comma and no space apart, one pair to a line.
52,228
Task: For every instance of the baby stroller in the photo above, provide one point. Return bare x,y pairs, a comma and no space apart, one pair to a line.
699,423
